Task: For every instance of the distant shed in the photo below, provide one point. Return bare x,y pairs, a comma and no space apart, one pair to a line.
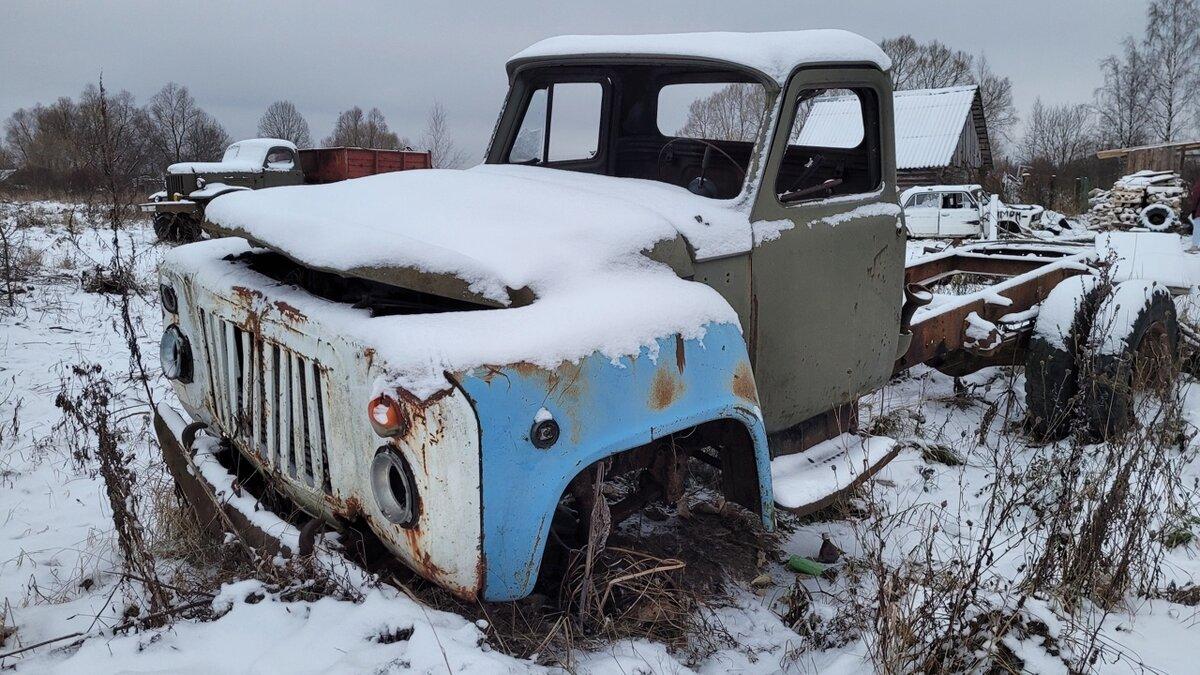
941,134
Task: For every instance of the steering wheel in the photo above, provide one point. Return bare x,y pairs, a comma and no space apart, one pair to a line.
699,185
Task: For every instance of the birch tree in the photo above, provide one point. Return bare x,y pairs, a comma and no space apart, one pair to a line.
444,153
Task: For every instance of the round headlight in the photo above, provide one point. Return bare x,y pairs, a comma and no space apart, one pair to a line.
200,182
395,491
544,434
170,301
175,354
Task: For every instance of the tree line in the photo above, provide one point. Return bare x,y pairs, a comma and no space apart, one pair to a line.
57,146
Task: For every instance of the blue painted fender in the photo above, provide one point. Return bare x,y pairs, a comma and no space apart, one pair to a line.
603,407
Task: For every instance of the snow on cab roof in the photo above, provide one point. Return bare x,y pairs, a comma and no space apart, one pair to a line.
775,54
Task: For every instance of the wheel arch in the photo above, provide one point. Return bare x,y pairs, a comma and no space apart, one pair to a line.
604,408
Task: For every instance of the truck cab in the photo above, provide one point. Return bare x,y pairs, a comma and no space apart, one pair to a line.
631,282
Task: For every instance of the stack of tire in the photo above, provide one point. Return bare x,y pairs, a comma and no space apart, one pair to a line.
1094,345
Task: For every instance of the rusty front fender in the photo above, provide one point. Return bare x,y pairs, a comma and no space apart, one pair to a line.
602,408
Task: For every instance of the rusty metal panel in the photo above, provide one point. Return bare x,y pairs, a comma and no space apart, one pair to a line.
315,442
938,329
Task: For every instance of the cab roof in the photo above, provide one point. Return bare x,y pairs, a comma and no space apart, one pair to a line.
774,54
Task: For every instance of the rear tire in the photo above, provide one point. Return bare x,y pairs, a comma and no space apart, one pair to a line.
1135,335
1158,218
178,228
1051,372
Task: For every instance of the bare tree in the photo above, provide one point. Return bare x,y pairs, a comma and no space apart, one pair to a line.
1058,134
905,54
933,65
208,140
181,130
732,113
173,115
118,145
443,152
1173,52
927,66
282,120
1123,101
995,94
357,130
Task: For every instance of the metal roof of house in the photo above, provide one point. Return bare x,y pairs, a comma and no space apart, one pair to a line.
928,122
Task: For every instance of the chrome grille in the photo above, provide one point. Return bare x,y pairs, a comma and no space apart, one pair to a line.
270,399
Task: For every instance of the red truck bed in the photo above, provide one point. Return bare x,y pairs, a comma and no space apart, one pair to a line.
327,165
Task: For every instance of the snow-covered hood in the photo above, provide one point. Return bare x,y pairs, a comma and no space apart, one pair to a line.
235,166
500,231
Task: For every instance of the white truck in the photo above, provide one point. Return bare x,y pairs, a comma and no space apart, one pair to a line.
964,211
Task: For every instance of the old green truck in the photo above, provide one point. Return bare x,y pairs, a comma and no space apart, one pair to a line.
257,163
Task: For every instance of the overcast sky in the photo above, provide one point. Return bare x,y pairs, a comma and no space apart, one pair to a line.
237,57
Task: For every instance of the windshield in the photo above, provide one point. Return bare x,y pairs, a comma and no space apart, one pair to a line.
231,153
687,127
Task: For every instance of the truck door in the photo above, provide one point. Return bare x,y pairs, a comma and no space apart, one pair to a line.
825,305
958,216
921,214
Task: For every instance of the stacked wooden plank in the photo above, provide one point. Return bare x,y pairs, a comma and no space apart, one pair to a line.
1119,208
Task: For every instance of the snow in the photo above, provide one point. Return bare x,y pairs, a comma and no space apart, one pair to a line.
573,239
1157,256
618,311
543,415
214,189
864,211
496,227
825,468
770,230
775,54
1120,310
1057,311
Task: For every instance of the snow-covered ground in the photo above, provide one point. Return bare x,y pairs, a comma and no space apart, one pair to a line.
60,566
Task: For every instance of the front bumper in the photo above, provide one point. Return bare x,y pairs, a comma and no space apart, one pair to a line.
209,489
179,206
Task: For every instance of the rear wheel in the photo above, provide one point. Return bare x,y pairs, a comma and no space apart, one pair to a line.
1135,337
178,228
1062,328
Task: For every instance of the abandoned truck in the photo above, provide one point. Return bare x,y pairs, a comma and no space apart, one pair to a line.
455,360
258,163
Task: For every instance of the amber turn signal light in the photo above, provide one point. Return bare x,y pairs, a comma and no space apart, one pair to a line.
386,417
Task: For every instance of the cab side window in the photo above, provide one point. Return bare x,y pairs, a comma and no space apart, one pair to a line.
832,147
280,159
561,124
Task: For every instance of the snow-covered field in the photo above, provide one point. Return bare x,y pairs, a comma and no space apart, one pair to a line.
61,570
